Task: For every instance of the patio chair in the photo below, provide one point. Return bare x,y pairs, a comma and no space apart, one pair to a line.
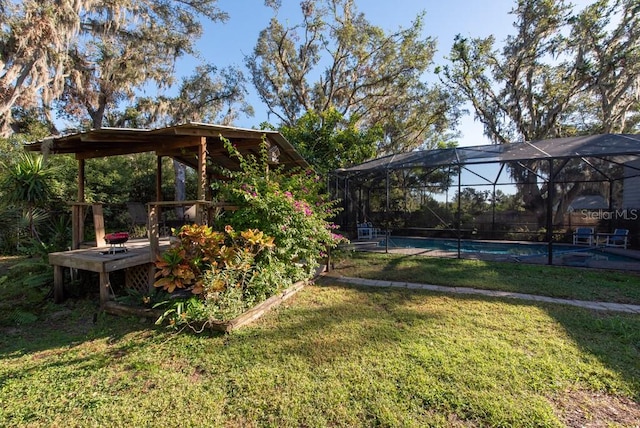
583,236
375,231
618,239
365,231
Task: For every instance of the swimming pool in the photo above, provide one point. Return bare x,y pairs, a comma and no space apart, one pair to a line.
512,249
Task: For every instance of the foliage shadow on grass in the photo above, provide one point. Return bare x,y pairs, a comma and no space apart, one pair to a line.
73,323
612,338
369,318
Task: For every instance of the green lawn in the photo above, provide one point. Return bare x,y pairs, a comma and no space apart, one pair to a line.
331,356
552,281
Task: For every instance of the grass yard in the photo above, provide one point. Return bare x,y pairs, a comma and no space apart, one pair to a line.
552,281
331,356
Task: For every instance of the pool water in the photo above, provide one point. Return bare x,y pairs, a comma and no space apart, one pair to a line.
513,249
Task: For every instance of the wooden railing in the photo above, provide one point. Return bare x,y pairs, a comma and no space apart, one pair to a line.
204,211
204,214
78,210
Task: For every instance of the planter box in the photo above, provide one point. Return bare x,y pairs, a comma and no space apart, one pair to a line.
248,317
257,311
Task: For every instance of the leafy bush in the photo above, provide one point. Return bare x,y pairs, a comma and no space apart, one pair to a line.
24,291
285,231
11,232
291,207
227,271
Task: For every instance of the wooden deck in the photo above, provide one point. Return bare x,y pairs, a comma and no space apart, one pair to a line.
101,260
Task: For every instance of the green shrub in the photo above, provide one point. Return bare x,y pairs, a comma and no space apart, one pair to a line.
227,272
285,232
291,207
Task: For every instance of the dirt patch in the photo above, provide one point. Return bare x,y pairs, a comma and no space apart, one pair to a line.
586,409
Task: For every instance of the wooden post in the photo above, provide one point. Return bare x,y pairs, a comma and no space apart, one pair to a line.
208,210
154,235
158,189
152,276
98,224
202,179
159,179
77,226
104,287
81,180
77,210
58,284
550,197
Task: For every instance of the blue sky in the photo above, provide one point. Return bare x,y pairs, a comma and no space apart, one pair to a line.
227,44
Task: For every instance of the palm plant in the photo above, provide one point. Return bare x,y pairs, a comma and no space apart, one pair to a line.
27,184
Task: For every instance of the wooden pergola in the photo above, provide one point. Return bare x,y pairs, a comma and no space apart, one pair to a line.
197,145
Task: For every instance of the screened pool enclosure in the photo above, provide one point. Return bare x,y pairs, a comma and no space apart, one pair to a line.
539,191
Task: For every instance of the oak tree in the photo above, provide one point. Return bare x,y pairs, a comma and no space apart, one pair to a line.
125,45
34,37
563,73
336,59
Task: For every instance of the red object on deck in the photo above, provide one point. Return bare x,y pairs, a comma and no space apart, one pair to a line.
116,238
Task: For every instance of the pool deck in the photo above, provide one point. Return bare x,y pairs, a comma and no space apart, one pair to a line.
576,258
